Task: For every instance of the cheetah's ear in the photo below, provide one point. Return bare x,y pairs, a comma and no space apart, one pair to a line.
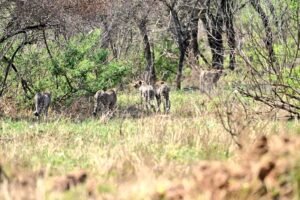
162,82
140,82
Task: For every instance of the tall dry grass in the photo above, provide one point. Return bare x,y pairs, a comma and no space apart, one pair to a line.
133,154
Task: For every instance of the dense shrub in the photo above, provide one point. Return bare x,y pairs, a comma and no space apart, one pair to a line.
79,67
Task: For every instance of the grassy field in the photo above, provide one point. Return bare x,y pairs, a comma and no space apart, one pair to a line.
131,155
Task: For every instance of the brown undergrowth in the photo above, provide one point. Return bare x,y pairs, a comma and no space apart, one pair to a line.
262,171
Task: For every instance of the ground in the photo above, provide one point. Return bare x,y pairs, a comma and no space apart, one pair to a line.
131,155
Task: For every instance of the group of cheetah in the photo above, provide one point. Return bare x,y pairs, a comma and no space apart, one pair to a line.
106,100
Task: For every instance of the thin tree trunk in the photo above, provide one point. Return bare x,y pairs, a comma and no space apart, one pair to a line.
194,38
24,83
214,35
230,32
107,40
10,63
269,35
54,63
183,43
217,46
180,67
150,70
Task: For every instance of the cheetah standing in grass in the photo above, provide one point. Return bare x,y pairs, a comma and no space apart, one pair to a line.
42,102
104,101
163,95
147,94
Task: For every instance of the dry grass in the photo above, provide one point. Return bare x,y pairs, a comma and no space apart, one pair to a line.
130,156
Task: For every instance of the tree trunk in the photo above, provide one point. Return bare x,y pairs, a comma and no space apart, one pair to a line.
269,35
106,41
183,43
194,38
150,69
10,64
230,32
214,35
180,67
217,46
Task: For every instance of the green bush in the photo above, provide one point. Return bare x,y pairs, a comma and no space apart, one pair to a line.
166,60
78,67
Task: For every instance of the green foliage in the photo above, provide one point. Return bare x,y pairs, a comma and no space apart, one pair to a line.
294,5
79,67
291,76
166,60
